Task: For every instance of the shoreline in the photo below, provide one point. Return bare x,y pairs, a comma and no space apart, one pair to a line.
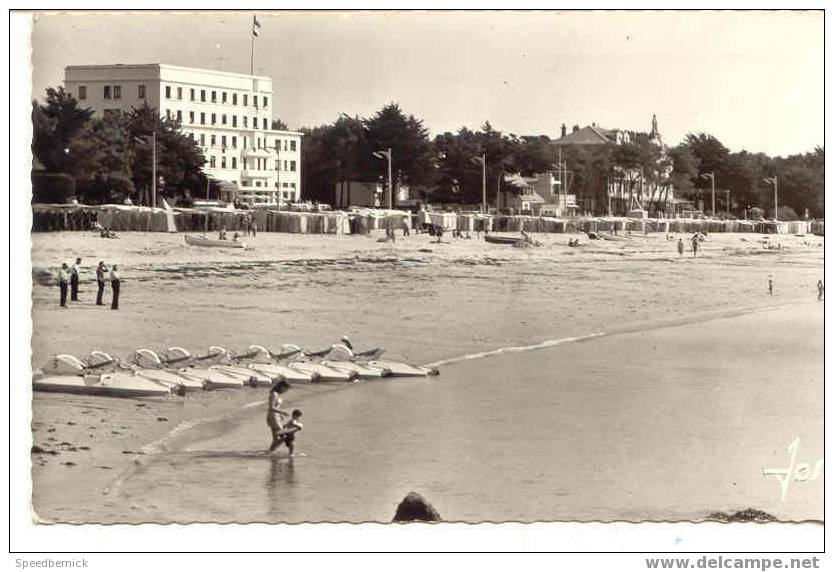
206,418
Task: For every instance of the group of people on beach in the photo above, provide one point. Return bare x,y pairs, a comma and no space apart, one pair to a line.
282,425
68,279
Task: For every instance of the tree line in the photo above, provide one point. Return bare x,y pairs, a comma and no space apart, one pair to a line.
108,158
101,159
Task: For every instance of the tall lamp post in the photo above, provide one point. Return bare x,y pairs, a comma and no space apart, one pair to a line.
153,164
482,161
711,177
387,154
774,180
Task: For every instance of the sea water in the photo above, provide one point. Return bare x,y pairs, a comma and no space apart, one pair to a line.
670,423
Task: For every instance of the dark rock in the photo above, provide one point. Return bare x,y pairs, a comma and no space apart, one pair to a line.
38,449
746,515
415,508
84,448
69,464
162,419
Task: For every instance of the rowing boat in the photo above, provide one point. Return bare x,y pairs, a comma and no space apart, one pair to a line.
503,239
212,242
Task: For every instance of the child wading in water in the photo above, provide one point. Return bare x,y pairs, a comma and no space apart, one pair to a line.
292,427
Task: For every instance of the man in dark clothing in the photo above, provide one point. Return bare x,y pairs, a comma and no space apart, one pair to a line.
100,281
74,281
62,281
115,284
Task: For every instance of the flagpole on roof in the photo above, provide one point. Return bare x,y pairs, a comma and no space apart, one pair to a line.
252,52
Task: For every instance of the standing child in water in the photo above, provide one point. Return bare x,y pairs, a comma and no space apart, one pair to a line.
770,287
292,427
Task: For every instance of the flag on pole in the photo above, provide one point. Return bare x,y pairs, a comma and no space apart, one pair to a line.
255,25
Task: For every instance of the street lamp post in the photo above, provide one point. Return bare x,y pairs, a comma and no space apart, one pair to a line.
774,180
482,161
387,154
711,177
153,164
153,169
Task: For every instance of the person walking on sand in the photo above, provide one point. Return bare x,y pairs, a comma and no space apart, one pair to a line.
115,285
274,413
74,280
680,247
63,281
100,270
820,290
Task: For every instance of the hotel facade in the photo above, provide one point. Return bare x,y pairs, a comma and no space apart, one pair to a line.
229,116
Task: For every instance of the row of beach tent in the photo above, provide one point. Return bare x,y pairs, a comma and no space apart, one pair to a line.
46,218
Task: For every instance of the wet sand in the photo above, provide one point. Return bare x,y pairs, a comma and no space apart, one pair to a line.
465,296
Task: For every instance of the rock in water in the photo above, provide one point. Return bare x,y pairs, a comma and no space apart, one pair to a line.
415,508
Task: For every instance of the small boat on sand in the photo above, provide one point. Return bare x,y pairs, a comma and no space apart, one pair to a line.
67,374
264,361
511,240
193,240
341,354
149,359
101,361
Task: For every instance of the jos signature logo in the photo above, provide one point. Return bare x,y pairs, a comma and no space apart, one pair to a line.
794,471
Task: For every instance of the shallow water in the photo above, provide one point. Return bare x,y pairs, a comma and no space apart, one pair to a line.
666,424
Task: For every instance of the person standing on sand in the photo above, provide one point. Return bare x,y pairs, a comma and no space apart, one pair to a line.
74,280
100,281
694,246
274,413
680,247
820,290
115,285
253,226
63,280
770,287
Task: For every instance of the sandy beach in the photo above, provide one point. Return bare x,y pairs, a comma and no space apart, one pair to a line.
424,302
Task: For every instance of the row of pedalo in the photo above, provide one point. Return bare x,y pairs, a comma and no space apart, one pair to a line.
148,373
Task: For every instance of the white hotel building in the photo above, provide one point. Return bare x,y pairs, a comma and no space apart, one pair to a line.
229,115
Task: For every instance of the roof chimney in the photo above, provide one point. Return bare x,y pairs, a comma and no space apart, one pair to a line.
575,128
564,130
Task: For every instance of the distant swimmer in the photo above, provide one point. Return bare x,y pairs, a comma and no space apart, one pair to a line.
820,290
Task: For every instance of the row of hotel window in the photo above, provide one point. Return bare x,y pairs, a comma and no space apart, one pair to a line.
224,119
115,92
286,194
257,165
257,141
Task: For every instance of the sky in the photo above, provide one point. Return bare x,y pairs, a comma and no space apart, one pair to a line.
754,80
